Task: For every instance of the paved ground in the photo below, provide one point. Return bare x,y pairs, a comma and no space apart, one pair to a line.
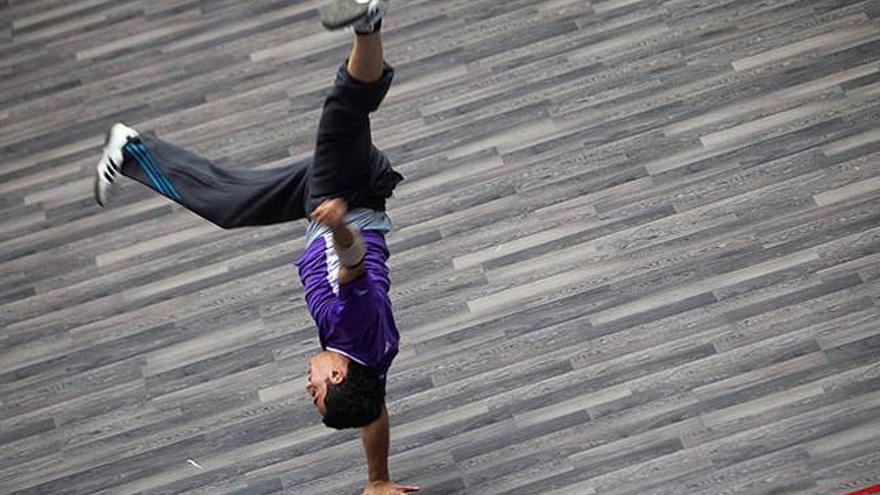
638,249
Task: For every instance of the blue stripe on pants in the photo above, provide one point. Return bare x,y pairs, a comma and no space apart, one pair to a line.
146,168
174,193
163,185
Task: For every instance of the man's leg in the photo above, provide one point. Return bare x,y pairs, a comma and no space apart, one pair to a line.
235,198
367,60
344,154
227,197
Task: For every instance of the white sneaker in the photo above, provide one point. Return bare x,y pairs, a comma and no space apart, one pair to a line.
362,15
110,165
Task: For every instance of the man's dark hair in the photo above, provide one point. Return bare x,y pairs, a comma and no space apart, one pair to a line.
355,402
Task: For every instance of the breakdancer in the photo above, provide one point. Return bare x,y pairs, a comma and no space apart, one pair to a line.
342,189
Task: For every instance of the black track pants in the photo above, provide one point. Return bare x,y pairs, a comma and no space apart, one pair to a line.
345,164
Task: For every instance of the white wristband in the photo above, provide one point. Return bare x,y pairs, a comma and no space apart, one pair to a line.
353,255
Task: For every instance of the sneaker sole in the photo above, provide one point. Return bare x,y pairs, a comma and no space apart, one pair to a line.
342,14
97,184
98,171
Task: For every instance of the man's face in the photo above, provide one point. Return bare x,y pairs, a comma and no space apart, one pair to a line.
325,367
317,385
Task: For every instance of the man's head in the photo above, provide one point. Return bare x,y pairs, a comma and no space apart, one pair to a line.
347,394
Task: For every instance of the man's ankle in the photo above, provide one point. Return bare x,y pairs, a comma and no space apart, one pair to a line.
375,28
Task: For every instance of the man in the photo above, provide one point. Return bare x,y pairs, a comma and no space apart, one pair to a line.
342,188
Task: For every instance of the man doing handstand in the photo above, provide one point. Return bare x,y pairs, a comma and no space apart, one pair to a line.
342,188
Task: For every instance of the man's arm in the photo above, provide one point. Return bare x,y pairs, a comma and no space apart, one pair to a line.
376,438
332,214
344,237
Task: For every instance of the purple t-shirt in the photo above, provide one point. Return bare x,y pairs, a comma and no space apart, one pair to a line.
354,319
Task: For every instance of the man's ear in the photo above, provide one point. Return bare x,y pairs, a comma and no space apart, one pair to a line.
337,376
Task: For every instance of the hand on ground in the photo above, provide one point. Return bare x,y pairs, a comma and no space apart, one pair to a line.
388,488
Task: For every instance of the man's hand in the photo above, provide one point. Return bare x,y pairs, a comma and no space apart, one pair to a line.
331,212
388,488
